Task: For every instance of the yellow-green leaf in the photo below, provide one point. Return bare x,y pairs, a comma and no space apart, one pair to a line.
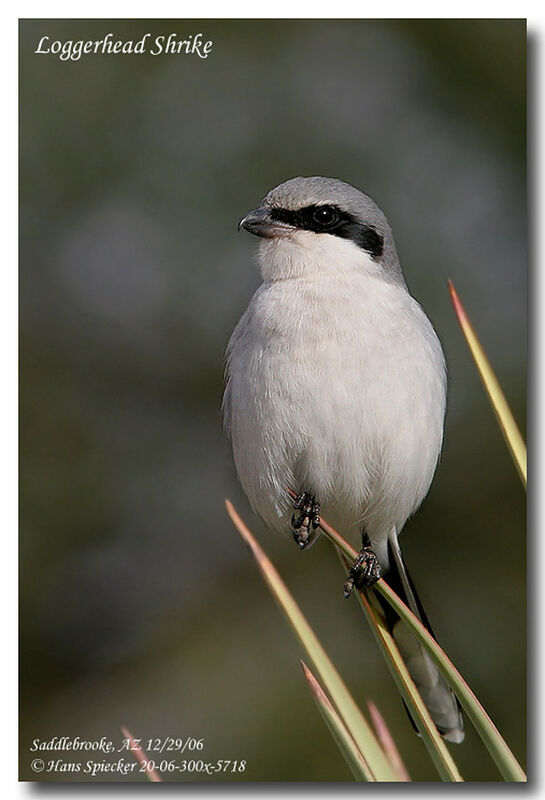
435,745
491,737
496,745
358,765
388,745
496,396
355,722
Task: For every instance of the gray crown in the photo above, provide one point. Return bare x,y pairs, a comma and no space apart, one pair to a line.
297,193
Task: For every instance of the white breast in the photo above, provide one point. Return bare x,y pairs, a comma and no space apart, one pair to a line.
336,385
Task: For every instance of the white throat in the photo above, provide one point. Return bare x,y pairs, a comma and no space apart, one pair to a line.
304,253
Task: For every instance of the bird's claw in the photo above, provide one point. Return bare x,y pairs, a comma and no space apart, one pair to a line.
364,572
305,523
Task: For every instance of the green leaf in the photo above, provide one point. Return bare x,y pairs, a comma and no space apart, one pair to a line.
497,399
388,745
353,719
496,745
491,737
435,745
358,765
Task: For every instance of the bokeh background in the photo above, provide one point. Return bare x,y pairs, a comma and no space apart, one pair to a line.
139,603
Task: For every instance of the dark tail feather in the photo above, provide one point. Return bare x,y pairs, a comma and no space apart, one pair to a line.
439,699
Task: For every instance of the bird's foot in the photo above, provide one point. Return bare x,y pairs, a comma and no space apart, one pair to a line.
305,523
364,572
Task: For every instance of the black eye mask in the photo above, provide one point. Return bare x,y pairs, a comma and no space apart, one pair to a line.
330,219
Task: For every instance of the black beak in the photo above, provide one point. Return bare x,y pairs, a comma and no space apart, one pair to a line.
260,223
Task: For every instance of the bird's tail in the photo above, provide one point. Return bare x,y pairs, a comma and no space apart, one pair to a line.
439,699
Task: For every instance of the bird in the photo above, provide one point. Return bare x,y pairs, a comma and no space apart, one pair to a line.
335,388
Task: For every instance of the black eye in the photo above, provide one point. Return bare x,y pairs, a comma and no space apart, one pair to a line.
324,216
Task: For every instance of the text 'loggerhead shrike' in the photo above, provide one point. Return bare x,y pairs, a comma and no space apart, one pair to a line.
336,388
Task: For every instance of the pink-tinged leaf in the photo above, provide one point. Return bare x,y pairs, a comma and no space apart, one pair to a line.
140,756
387,742
496,745
435,745
496,396
358,727
347,746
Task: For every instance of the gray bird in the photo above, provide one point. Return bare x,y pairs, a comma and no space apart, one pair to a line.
336,387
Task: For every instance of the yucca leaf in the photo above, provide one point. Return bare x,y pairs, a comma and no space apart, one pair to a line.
496,396
353,719
358,765
388,745
496,745
141,756
491,737
435,745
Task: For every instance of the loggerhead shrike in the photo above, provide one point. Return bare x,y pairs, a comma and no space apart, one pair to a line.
336,388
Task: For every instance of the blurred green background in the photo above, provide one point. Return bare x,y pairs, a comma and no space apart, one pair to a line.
139,603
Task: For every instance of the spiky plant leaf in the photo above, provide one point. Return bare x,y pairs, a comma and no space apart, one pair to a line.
507,423
356,724
141,756
435,745
358,765
496,745
387,741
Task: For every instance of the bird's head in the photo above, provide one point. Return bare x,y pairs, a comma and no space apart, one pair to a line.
312,225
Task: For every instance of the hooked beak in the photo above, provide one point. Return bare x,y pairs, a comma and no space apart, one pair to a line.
260,223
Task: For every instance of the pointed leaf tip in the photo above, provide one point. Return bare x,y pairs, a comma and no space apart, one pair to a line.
346,744
491,384
387,742
458,307
356,724
141,757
